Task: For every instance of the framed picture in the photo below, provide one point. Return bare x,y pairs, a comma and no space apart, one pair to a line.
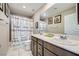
57,19
7,11
50,20
1,6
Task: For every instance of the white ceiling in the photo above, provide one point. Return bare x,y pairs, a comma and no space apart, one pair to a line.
31,8
60,8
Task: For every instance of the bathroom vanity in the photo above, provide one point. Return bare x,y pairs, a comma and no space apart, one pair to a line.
44,46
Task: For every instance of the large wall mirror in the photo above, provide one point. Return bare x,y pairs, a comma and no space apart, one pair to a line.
56,16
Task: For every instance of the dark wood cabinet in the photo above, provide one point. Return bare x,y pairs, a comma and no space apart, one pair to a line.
43,48
34,46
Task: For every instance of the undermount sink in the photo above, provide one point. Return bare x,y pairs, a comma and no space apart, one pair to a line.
48,35
66,42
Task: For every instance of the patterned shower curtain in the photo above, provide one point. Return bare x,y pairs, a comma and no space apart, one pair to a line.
21,28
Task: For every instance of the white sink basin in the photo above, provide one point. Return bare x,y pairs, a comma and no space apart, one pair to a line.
66,42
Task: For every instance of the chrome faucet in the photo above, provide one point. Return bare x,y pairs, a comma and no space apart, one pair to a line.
63,36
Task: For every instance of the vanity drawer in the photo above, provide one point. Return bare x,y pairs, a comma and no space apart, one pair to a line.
57,50
33,38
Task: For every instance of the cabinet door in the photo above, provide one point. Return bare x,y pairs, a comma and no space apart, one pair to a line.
34,48
40,49
4,37
48,53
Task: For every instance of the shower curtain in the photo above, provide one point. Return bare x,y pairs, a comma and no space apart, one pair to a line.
21,29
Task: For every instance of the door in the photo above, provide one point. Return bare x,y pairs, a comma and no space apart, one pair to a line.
4,37
34,48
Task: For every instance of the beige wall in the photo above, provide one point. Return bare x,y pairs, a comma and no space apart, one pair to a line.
59,28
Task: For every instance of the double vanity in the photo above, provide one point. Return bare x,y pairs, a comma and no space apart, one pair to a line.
43,45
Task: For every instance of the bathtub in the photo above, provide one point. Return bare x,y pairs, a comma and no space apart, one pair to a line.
22,44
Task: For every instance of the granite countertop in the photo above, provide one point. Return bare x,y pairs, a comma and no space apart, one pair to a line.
70,44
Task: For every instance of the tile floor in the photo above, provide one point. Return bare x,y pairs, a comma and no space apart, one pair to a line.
19,51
